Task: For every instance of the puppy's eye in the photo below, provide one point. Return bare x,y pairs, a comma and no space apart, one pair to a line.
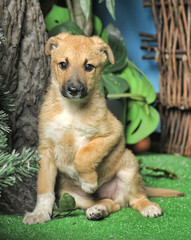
63,65
88,67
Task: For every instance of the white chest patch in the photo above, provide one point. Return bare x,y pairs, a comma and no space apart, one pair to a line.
69,135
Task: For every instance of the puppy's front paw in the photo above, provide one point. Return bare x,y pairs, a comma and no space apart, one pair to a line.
89,187
151,211
96,212
36,217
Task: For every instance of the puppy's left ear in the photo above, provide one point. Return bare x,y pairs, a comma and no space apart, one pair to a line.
105,48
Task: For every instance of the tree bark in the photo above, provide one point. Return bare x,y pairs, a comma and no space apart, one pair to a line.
24,66
26,73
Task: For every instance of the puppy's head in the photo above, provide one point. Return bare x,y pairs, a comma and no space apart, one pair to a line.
76,63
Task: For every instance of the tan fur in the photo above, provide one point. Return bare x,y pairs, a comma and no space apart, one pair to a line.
161,192
82,142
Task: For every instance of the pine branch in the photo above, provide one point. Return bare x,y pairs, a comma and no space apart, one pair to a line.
6,102
13,166
3,120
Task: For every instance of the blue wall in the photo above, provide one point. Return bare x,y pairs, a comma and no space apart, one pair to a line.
131,19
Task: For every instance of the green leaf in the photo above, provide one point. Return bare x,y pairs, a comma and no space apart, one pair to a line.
104,36
55,211
66,203
69,27
110,4
56,16
97,25
117,44
142,120
114,84
85,5
138,82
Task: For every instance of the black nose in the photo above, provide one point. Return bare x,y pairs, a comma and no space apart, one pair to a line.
74,89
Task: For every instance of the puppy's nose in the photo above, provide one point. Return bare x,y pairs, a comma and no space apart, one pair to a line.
74,88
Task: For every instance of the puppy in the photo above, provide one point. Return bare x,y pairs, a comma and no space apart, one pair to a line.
81,142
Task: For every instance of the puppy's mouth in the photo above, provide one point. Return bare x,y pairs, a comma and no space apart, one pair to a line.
74,90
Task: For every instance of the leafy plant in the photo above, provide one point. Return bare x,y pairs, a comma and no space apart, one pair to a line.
155,172
66,205
123,81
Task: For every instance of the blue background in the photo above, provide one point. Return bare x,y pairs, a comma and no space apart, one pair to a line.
131,19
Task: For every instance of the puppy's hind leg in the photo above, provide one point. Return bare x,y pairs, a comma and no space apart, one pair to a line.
139,201
131,190
146,207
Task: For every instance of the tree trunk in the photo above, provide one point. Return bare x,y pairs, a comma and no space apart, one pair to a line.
24,66
26,73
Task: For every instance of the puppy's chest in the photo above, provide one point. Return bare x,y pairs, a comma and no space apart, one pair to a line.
69,135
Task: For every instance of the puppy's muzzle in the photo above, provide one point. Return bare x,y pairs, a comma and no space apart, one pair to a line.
74,89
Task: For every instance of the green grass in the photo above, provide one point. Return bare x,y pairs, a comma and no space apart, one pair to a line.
175,224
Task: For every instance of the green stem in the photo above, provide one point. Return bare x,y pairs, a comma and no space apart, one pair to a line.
136,97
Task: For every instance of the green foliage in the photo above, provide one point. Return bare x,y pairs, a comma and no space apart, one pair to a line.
113,84
138,82
6,102
66,205
13,166
3,120
110,81
97,26
142,120
110,5
68,26
156,171
56,16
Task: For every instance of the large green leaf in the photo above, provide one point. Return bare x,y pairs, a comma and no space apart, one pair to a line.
66,203
138,82
69,27
142,120
114,84
56,16
117,44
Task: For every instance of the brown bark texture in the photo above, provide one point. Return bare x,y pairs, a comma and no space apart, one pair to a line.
24,66
25,70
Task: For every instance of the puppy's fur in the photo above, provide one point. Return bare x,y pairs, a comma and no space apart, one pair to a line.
82,142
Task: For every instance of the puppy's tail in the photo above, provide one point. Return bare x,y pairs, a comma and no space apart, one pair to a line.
162,192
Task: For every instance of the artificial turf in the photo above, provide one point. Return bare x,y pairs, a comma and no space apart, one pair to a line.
175,224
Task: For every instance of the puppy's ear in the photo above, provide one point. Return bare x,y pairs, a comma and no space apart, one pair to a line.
53,42
105,48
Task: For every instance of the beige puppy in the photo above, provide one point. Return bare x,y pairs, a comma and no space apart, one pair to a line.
82,142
